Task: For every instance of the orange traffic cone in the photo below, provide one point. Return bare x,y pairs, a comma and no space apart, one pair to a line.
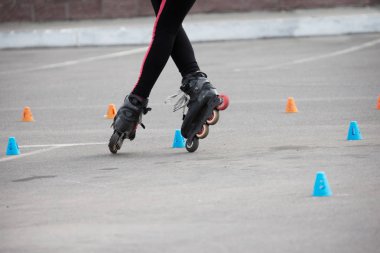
291,105
111,112
378,103
27,115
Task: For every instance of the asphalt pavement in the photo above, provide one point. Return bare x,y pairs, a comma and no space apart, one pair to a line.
247,188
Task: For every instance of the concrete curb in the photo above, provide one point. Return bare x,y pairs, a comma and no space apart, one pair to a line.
223,27
291,27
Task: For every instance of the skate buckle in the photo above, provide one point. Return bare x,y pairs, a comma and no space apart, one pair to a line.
146,110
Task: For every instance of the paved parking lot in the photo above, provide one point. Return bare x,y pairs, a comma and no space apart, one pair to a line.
247,188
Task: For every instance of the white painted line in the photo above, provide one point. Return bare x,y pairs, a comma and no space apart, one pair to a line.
63,145
323,56
69,107
79,61
46,148
270,100
253,101
14,157
143,49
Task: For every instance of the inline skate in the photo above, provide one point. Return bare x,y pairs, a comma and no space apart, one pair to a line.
204,104
127,119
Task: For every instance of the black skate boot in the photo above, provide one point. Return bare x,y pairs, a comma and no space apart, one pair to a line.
127,119
203,108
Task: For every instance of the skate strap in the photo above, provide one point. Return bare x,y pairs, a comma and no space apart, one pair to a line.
146,110
181,102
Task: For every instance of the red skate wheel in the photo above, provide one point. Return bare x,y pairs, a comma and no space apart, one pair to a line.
214,118
203,133
225,103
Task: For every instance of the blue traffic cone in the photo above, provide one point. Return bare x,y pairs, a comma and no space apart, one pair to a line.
354,132
321,185
12,148
179,141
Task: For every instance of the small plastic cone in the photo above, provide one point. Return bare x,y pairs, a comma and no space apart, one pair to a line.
111,112
354,133
27,115
179,141
378,103
12,148
291,105
321,185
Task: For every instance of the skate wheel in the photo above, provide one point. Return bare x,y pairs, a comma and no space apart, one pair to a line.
193,145
225,103
214,118
113,143
203,133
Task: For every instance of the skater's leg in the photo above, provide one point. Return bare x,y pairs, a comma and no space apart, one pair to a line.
182,53
167,24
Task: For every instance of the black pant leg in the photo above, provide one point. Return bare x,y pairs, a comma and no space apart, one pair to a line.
167,26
